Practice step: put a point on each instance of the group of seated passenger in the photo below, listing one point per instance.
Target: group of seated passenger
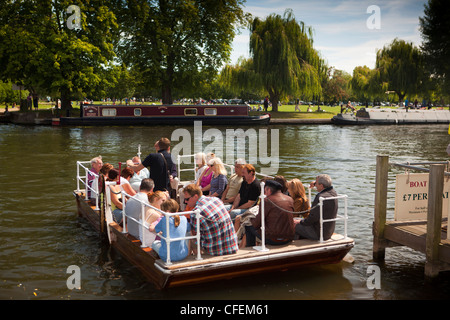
(222, 203)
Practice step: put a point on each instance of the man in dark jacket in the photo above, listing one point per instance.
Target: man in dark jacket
(309, 228)
(278, 219)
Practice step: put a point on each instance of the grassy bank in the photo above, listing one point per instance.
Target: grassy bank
(289, 112)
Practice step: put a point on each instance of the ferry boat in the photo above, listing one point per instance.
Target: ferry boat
(96, 115)
(203, 268)
(369, 116)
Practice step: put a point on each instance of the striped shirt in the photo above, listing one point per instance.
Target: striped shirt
(217, 233)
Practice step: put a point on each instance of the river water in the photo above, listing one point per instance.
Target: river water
(41, 235)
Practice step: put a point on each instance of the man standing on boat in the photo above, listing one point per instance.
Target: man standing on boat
(217, 235)
(162, 168)
(309, 228)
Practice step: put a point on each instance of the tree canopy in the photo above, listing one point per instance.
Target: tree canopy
(40, 51)
(177, 44)
(435, 29)
(284, 58)
(401, 69)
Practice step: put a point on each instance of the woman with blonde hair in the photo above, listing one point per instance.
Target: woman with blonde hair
(297, 192)
(204, 181)
(219, 177)
(152, 217)
(178, 226)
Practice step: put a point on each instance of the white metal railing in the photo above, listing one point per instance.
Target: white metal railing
(338, 217)
(143, 227)
(168, 239)
(230, 166)
(85, 181)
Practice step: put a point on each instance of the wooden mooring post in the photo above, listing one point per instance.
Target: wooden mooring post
(423, 236)
(434, 218)
(381, 182)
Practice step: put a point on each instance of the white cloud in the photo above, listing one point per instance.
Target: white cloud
(340, 31)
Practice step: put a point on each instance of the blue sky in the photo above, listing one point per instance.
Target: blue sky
(341, 32)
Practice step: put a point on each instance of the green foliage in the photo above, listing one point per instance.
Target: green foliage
(400, 67)
(284, 62)
(337, 86)
(435, 29)
(41, 52)
(178, 44)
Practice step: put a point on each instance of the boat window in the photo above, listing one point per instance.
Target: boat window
(110, 112)
(190, 112)
(137, 112)
(210, 112)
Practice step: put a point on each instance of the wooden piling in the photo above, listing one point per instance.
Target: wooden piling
(381, 182)
(434, 218)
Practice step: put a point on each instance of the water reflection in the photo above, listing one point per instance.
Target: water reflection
(41, 236)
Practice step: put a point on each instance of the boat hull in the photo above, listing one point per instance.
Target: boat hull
(392, 117)
(190, 271)
(145, 121)
(98, 115)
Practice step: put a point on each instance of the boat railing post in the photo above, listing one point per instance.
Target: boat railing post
(78, 176)
(309, 194)
(321, 218)
(124, 216)
(263, 226)
(86, 184)
(168, 262)
(345, 216)
(199, 255)
(142, 224)
(96, 179)
(179, 166)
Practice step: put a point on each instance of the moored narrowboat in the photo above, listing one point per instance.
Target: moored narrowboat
(95, 115)
(371, 116)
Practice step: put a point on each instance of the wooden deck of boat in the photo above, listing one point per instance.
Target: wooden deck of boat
(413, 234)
(246, 261)
(248, 252)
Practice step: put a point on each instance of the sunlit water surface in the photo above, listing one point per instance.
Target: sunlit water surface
(41, 235)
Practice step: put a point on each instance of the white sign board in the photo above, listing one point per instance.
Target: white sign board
(411, 197)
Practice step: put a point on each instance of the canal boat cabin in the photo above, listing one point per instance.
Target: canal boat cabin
(91, 114)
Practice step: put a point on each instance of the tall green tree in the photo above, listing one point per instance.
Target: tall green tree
(284, 57)
(435, 29)
(366, 84)
(337, 87)
(43, 49)
(178, 44)
(401, 68)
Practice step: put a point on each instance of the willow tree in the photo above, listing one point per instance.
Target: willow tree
(284, 58)
(401, 68)
(366, 83)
